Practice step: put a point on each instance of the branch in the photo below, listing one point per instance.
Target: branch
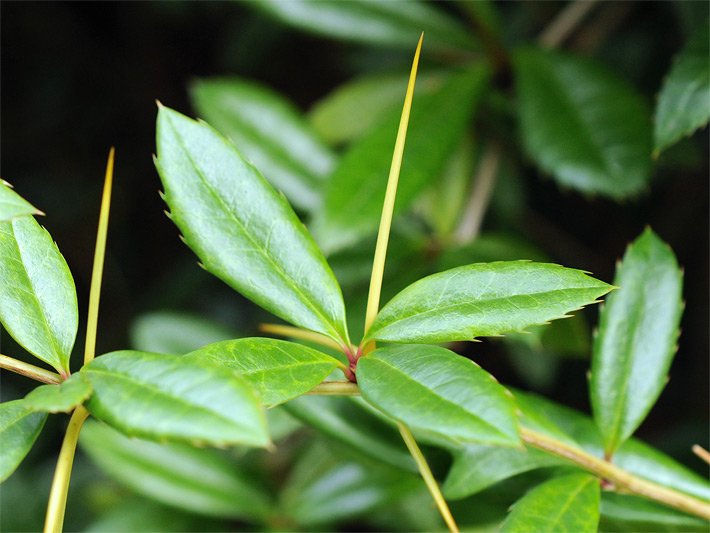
(564, 23)
(622, 480)
(31, 371)
(60, 484)
(470, 225)
(302, 334)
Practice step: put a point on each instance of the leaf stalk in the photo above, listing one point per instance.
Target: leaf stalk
(31, 371)
(336, 388)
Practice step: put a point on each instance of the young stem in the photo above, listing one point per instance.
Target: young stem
(429, 479)
(621, 480)
(336, 388)
(99, 255)
(31, 371)
(301, 334)
(383, 234)
(60, 484)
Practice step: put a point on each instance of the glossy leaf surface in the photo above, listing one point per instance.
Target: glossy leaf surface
(684, 100)
(484, 299)
(38, 304)
(164, 397)
(197, 480)
(356, 190)
(277, 370)
(61, 398)
(566, 504)
(242, 230)
(383, 23)
(478, 467)
(12, 205)
(637, 338)
(19, 428)
(348, 420)
(325, 487)
(437, 392)
(582, 124)
(572, 427)
(270, 132)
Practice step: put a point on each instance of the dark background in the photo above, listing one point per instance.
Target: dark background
(77, 78)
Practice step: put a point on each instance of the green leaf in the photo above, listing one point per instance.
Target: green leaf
(478, 467)
(197, 480)
(38, 304)
(355, 107)
(350, 421)
(572, 427)
(325, 487)
(242, 230)
(277, 370)
(623, 512)
(174, 333)
(563, 504)
(442, 203)
(12, 205)
(582, 124)
(637, 338)
(19, 429)
(684, 100)
(165, 397)
(61, 398)
(484, 299)
(439, 393)
(138, 515)
(378, 23)
(356, 191)
(270, 132)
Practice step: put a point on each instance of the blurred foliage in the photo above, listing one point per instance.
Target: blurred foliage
(79, 77)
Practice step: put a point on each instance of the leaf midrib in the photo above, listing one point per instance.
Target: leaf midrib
(276, 267)
(568, 503)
